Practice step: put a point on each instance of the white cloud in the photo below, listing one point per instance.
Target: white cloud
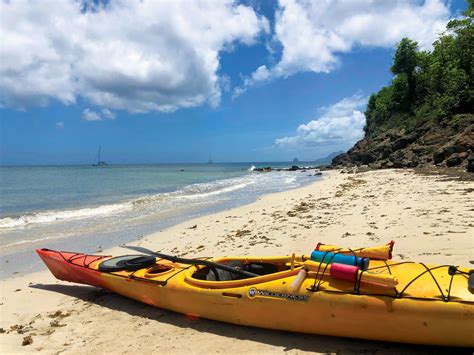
(108, 114)
(262, 74)
(60, 125)
(313, 33)
(339, 126)
(132, 55)
(104, 114)
(89, 115)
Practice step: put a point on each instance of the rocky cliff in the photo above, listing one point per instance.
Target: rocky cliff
(448, 145)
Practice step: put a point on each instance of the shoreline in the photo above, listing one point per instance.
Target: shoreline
(93, 229)
(427, 216)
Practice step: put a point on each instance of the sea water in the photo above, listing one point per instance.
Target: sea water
(86, 208)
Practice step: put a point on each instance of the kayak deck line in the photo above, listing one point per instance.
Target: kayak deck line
(165, 282)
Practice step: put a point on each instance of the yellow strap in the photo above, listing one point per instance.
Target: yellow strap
(383, 252)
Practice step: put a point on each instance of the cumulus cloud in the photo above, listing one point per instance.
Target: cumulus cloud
(313, 33)
(108, 114)
(340, 125)
(89, 115)
(125, 55)
(104, 114)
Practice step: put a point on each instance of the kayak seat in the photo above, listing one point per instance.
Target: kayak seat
(226, 275)
(256, 268)
(262, 268)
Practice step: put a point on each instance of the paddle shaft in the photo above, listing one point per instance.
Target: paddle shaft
(177, 259)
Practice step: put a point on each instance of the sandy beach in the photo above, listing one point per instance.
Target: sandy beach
(430, 218)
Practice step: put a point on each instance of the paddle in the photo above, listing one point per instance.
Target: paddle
(177, 259)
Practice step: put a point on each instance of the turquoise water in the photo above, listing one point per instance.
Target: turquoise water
(30, 189)
(84, 207)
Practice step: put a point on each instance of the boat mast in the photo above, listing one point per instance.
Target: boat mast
(98, 158)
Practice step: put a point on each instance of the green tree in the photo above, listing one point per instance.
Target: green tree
(405, 62)
(463, 31)
(428, 86)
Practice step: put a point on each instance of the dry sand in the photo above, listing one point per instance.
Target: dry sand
(429, 217)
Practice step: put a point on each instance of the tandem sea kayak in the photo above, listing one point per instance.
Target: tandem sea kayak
(376, 299)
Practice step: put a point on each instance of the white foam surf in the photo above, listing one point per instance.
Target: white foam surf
(194, 193)
(53, 216)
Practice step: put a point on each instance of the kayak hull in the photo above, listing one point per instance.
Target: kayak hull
(272, 304)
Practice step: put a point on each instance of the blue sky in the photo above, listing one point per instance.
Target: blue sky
(251, 81)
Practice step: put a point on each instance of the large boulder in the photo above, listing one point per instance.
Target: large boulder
(404, 141)
(433, 136)
(456, 159)
(470, 163)
(466, 138)
(342, 159)
(446, 151)
(364, 157)
(404, 159)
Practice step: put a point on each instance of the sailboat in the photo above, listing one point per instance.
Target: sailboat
(99, 161)
(210, 160)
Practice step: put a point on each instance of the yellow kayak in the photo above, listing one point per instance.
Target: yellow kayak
(399, 301)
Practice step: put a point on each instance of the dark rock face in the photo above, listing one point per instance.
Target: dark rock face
(470, 163)
(426, 145)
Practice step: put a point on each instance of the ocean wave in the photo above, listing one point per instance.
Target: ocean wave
(53, 216)
(194, 193)
(215, 192)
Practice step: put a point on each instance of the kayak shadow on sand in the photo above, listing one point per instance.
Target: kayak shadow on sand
(287, 341)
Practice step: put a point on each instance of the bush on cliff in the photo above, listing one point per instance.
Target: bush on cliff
(428, 87)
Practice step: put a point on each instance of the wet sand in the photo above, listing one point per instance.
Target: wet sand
(429, 217)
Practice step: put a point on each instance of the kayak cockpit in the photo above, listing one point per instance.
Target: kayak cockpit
(260, 269)
(266, 269)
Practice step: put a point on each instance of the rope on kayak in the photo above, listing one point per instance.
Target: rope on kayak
(77, 256)
(452, 270)
(132, 275)
(450, 284)
(319, 276)
(388, 267)
(315, 288)
(428, 270)
(357, 282)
